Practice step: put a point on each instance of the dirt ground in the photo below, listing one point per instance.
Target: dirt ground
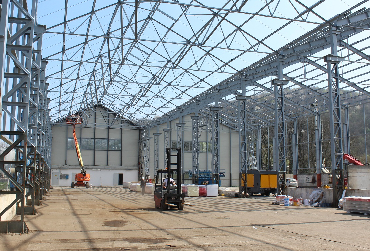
(117, 219)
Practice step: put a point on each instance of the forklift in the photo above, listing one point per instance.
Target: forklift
(168, 194)
(81, 179)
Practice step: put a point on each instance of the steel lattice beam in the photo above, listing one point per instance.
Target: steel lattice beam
(333, 61)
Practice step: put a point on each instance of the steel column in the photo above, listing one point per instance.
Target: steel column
(215, 143)
(295, 150)
(179, 131)
(144, 152)
(365, 132)
(195, 148)
(318, 140)
(259, 148)
(242, 128)
(346, 136)
(167, 141)
(156, 151)
(335, 118)
(279, 146)
(180, 142)
(3, 42)
(18, 179)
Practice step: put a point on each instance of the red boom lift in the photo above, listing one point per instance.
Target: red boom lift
(352, 159)
(82, 178)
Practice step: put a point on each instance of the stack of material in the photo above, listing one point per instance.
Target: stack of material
(280, 200)
(212, 190)
(184, 189)
(228, 191)
(203, 190)
(135, 187)
(126, 184)
(149, 188)
(193, 191)
(357, 204)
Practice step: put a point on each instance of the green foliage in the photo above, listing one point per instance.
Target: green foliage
(359, 142)
(3, 185)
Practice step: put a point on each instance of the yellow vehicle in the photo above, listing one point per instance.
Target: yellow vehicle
(261, 182)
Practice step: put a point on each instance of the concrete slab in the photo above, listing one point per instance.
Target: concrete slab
(117, 219)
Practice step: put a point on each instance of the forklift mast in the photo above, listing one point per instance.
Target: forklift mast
(177, 169)
(169, 196)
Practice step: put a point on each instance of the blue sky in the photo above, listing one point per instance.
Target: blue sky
(156, 76)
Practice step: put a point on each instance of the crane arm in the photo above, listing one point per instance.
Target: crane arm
(73, 120)
(78, 150)
(352, 159)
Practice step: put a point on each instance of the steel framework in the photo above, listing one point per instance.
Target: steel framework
(195, 148)
(153, 62)
(25, 122)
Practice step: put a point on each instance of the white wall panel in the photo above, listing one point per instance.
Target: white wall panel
(98, 177)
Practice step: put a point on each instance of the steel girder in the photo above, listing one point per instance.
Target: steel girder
(295, 52)
(105, 82)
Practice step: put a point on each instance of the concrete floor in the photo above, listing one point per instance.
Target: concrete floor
(117, 219)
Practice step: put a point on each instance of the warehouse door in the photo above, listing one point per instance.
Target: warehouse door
(115, 179)
(55, 178)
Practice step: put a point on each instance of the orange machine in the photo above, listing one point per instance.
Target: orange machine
(82, 178)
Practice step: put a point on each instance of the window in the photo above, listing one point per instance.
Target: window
(101, 144)
(173, 144)
(210, 147)
(202, 146)
(71, 144)
(87, 144)
(188, 146)
(115, 145)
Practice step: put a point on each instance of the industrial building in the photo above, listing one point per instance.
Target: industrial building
(109, 149)
(106, 87)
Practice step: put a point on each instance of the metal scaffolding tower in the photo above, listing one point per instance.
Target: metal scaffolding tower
(25, 122)
(243, 155)
(318, 142)
(195, 148)
(156, 151)
(333, 61)
(279, 146)
(215, 111)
